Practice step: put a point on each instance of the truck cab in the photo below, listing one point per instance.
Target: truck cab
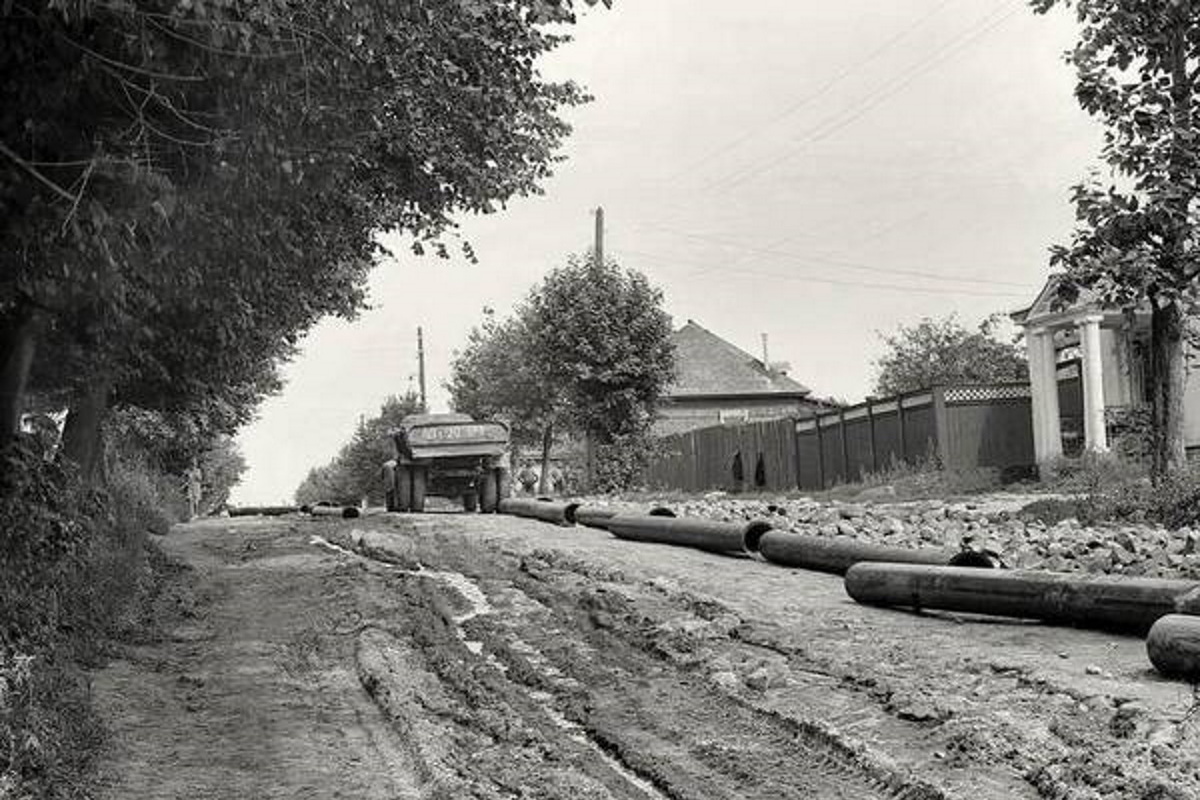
(448, 455)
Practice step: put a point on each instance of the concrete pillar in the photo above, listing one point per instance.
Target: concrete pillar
(1037, 387)
(1051, 419)
(1095, 435)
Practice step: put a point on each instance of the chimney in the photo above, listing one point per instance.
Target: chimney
(765, 359)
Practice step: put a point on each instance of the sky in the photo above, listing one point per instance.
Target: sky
(819, 172)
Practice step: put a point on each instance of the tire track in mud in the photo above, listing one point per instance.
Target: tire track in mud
(557, 677)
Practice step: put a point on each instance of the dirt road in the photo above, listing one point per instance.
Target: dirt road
(449, 656)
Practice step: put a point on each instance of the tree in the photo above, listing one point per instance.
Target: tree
(588, 352)
(355, 472)
(184, 190)
(935, 352)
(499, 376)
(1137, 64)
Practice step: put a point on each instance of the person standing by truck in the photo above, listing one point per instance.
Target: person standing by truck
(528, 478)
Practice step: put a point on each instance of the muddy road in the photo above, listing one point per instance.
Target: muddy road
(470, 656)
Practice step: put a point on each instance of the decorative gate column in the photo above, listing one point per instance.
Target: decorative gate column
(1095, 435)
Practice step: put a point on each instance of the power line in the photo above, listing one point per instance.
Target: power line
(840, 119)
(771, 251)
(807, 99)
(815, 279)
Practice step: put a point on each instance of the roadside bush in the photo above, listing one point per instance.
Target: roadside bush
(1174, 501)
(621, 465)
(1094, 473)
(72, 561)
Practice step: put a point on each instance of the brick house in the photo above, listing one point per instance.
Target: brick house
(718, 383)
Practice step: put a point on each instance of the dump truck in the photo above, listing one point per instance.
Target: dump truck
(448, 455)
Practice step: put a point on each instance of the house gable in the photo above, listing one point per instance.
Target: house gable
(707, 366)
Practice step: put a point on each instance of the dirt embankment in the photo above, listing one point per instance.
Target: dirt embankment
(488, 657)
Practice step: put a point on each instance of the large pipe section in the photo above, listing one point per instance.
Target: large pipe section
(827, 554)
(556, 513)
(344, 512)
(1173, 645)
(718, 537)
(264, 511)
(1107, 602)
(594, 516)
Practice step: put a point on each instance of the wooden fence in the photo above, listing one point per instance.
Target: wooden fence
(705, 459)
(960, 426)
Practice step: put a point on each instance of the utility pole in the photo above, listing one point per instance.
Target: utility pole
(421, 368)
(589, 447)
(600, 236)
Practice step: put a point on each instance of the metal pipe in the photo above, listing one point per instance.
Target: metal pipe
(264, 511)
(838, 555)
(345, 512)
(594, 516)
(556, 513)
(704, 534)
(1091, 601)
(1173, 645)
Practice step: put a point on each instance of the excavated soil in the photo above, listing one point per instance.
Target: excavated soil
(472, 656)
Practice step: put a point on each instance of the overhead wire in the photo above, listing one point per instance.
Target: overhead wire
(840, 119)
(907, 289)
(804, 101)
(855, 265)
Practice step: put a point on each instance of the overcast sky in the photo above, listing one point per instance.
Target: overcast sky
(819, 172)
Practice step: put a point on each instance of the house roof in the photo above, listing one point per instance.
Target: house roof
(1048, 306)
(707, 365)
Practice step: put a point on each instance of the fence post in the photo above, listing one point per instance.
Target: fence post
(795, 449)
(845, 450)
(820, 452)
(940, 426)
(871, 436)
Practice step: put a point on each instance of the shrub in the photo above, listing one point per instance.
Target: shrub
(1094, 473)
(621, 464)
(72, 561)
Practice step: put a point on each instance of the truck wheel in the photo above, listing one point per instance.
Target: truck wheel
(417, 502)
(403, 488)
(470, 501)
(503, 483)
(489, 491)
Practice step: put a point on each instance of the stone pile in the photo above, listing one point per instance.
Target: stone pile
(990, 524)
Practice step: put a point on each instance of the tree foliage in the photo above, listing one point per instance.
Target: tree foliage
(944, 352)
(1137, 63)
(355, 472)
(186, 188)
(588, 353)
(497, 376)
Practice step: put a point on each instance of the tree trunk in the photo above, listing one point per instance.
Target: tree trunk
(547, 440)
(18, 341)
(83, 433)
(1166, 380)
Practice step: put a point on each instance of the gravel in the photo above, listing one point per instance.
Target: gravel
(990, 523)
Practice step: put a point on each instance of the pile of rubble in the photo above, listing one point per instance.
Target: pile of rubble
(994, 524)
